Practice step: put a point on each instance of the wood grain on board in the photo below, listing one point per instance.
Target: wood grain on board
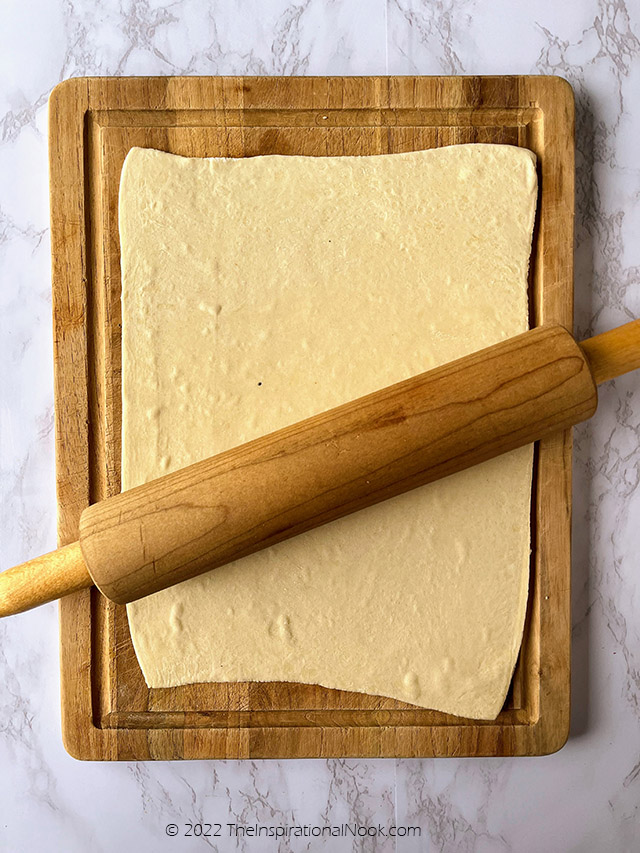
(107, 710)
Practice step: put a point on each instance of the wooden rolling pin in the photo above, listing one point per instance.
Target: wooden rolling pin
(332, 464)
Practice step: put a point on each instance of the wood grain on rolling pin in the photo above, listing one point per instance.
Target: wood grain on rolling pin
(332, 464)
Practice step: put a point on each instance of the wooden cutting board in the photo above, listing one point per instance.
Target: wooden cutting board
(107, 710)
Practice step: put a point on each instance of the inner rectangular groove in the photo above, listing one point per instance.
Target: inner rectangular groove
(292, 719)
(346, 715)
(385, 117)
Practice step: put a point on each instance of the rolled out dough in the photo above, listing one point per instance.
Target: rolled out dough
(259, 291)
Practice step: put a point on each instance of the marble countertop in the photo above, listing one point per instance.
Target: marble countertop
(585, 798)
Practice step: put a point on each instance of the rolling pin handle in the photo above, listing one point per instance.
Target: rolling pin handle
(43, 579)
(613, 353)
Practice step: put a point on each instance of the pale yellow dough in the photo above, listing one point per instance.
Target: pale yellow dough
(259, 291)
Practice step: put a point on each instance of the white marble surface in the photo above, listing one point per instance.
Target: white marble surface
(586, 798)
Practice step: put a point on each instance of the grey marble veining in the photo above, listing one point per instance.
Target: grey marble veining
(584, 799)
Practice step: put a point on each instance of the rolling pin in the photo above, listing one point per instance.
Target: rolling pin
(307, 474)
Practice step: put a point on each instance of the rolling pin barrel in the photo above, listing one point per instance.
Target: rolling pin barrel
(337, 462)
